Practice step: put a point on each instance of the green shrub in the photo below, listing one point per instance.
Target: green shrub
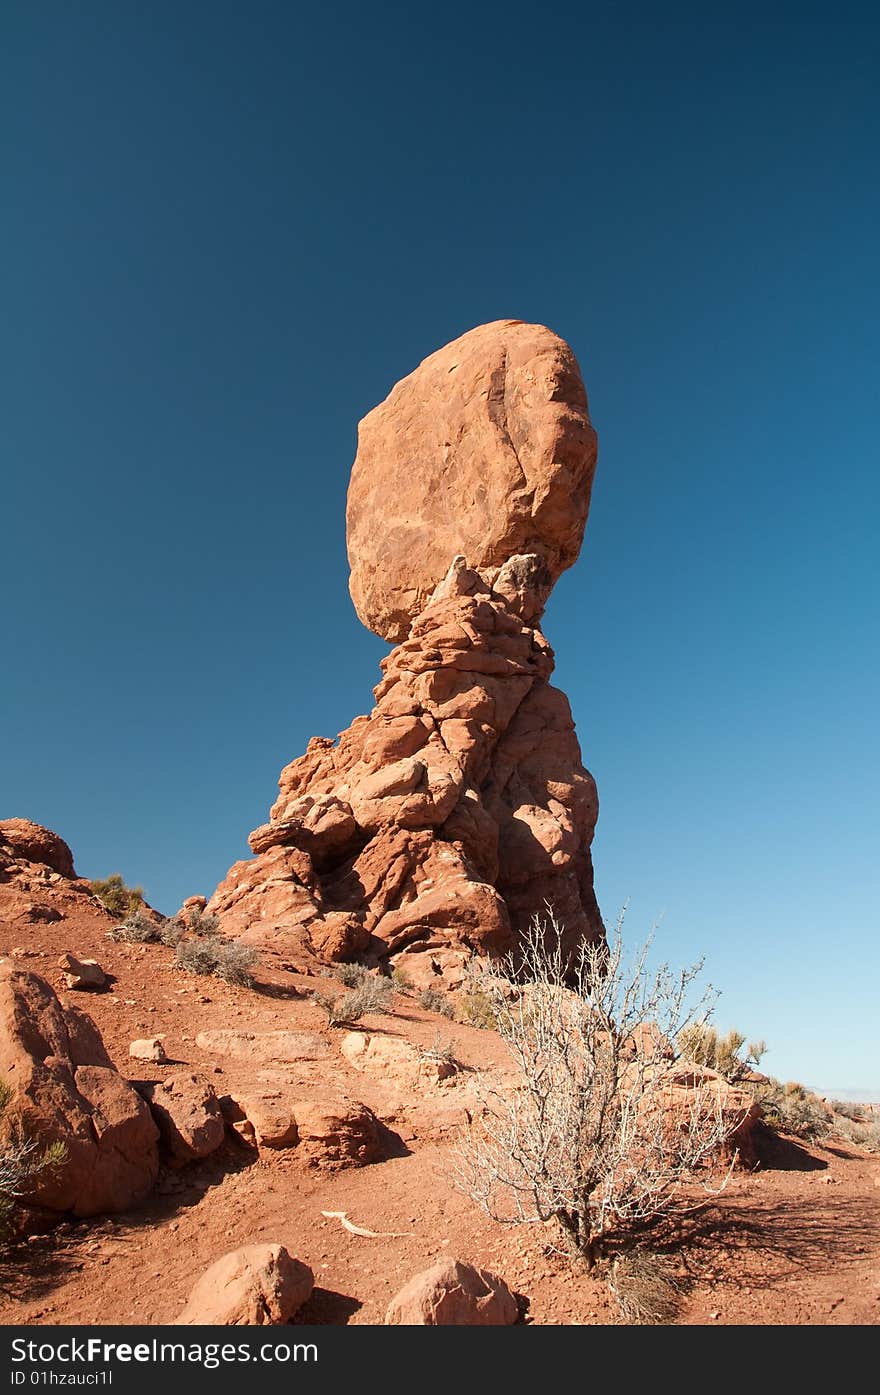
(116, 896)
(226, 959)
(402, 983)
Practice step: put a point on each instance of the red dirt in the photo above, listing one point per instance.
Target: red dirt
(793, 1243)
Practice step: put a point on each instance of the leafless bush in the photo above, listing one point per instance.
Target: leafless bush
(592, 1137)
(22, 1161)
(226, 959)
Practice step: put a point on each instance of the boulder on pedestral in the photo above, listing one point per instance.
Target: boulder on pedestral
(256, 1286)
(452, 1294)
(485, 450)
(458, 810)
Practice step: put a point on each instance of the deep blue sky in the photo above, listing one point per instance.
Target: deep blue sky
(228, 229)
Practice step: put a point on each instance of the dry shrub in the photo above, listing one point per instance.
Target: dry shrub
(435, 1000)
(226, 959)
(588, 1139)
(646, 1287)
(371, 995)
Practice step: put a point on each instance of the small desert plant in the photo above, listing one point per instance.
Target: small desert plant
(137, 928)
(864, 1134)
(116, 896)
(442, 1049)
(351, 975)
(701, 1043)
(793, 1109)
(474, 1008)
(435, 1000)
(226, 959)
(647, 1289)
(22, 1161)
(371, 995)
(402, 983)
(589, 1138)
(171, 932)
(198, 922)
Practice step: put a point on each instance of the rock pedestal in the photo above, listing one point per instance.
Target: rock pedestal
(458, 809)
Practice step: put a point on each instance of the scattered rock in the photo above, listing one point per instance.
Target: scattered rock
(193, 905)
(392, 1058)
(84, 974)
(148, 1049)
(256, 1286)
(262, 1118)
(452, 1294)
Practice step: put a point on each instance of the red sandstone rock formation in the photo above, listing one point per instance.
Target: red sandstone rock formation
(441, 823)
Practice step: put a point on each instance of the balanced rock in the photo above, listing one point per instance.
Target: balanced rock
(67, 1090)
(458, 809)
(256, 1286)
(486, 450)
(452, 1294)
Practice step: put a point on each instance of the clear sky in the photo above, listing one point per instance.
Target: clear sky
(228, 229)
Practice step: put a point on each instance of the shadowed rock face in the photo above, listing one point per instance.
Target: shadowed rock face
(441, 823)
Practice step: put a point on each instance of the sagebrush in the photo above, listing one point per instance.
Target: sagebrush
(588, 1139)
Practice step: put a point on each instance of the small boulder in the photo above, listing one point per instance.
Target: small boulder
(453, 1294)
(261, 1118)
(148, 1049)
(256, 1286)
(84, 974)
(335, 1132)
(189, 1116)
(34, 843)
